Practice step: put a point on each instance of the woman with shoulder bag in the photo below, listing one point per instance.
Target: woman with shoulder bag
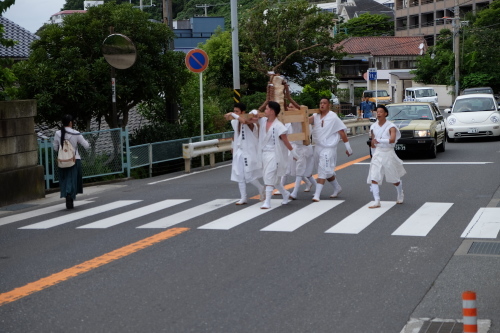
(70, 177)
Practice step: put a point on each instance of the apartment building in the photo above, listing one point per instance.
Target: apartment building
(427, 17)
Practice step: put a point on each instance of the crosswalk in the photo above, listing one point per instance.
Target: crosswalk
(484, 224)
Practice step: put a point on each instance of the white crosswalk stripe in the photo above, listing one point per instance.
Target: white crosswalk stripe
(188, 214)
(79, 215)
(423, 220)
(360, 219)
(295, 220)
(485, 224)
(241, 216)
(130, 215)
(39, 212)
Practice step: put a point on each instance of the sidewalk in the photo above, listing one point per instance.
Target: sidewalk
(464, 272)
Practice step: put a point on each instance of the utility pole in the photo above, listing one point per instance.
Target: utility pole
(456, 47)
(167, 18)
(235, 52)
(204, 6)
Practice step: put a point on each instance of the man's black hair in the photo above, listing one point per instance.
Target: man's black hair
(240, 106)
(275, 106)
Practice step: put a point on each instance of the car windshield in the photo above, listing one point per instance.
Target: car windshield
(409, 112)
(381, 93)
(424, 93)
(474, 104)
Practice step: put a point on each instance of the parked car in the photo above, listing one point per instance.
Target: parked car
(477, 90)
(378, 96)
(475, 115)
(421, 94)
(422, 127)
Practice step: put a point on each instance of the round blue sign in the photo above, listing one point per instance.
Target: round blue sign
(196, 60)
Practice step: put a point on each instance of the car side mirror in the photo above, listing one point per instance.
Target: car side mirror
(447, 110)
(439, 117)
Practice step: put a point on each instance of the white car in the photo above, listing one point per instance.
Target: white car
(475, 115)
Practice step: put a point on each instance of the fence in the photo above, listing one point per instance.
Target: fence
(109, 154)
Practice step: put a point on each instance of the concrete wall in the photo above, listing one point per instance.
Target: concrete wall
(21, 178)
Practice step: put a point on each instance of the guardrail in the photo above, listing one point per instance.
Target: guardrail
(210, 147)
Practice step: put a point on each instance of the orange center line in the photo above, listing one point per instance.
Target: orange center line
(340, 167)
(87, 266)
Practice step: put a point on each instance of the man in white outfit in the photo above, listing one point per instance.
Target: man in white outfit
(328, 129)
(246, 167)
(274, 147)
(384, 161)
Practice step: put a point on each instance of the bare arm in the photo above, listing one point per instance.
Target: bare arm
(392, 132)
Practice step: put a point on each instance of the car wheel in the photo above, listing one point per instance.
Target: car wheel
(433, 151)
(442, 147)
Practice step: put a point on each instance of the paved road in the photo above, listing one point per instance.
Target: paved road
(174, 254)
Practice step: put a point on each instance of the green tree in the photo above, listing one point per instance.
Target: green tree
(478, 54)
(7, 77)
(368, 25)
(291, 38)
(67, 73)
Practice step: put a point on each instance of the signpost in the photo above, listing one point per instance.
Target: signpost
(197, 61)
(372, 76)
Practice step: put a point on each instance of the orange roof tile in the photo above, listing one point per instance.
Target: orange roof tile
(383, 45)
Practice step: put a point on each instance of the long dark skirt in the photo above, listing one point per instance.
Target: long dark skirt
(70, 180)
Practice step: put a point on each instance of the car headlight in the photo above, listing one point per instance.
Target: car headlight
(422, 134)
(494, 119)
(452, 121)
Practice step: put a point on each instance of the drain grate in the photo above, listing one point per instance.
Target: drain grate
(441, 327)
(491, 248)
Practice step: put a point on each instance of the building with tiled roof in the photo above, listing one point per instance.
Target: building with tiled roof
(23, 37)
(58, 17)
(392, 57)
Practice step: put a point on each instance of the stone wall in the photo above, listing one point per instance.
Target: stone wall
(21, 178)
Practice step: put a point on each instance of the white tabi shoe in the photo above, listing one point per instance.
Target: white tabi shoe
(276, 192)
(265, 206)
(376, 204)
(286, 198)
(401, 197)
(308, 187)
(242, 201)
(336, 192)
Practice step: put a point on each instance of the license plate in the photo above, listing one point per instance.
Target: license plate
(473, 130)
(400, 147)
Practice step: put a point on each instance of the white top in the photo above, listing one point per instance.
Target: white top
(326, 129)
(382, 132)
(74, 137)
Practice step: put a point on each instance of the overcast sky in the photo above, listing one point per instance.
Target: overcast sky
(32, 14)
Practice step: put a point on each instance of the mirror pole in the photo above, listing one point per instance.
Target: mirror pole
(114, 121)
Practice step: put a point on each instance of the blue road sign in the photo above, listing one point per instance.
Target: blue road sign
(196, 60)
(372, 75)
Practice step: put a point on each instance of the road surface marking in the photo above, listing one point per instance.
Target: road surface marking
(294, 221)
(87, 266)
(79, 215)
(133, 214)
(188, 214)
(485, 224)
(38, 212)
(188, 174)
(439, 163)
(423, 220)
(360, 219)
(232, 220)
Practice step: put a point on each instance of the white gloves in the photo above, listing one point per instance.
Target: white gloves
(294, 154)
(254, 112)
(235, 116)
(348, 147)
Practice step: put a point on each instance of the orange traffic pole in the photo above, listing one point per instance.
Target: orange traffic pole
(469, 311)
